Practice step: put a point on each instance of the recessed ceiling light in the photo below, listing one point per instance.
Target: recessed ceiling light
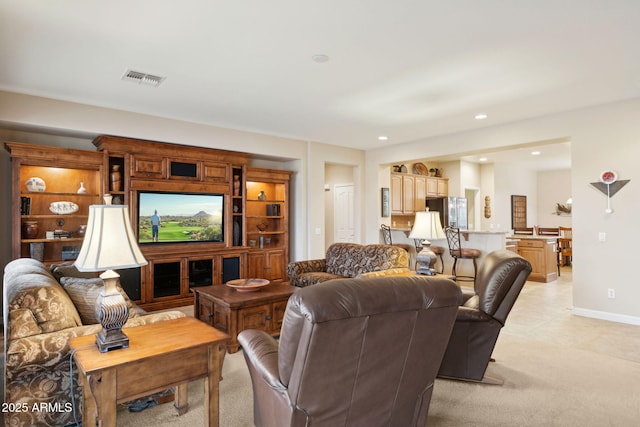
(481, 116)
(482, 159)
(320, 58)
(383, 138)
(535, 153)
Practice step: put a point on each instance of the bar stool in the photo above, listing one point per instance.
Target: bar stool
(458, 252)
(386, 234)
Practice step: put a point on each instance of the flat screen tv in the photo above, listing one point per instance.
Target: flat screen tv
(180, 217)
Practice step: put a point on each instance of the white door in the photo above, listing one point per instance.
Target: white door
(343, 214)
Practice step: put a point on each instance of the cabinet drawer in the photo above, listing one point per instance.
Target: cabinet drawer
(148, 167)
(531, 244)
(218, 172)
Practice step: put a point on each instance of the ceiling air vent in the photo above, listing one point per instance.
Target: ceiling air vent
(142, 78)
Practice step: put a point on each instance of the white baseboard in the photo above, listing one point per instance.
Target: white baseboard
(603, 315)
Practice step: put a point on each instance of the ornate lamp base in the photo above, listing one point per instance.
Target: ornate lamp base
(111, 340)
(112, 313)
(425, 262)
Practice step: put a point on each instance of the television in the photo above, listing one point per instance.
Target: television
(165, 217)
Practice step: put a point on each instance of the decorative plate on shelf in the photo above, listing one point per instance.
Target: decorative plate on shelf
(608, 177)
(247, 285)
(35, 184)
(420, 169)
(63, 208)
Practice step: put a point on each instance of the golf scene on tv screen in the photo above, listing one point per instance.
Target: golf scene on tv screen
(180, 217)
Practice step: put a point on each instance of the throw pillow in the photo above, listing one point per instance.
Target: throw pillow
(22, 324)
(67, 269)
(84, 293)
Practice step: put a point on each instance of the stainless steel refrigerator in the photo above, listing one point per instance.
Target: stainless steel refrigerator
(453, 211)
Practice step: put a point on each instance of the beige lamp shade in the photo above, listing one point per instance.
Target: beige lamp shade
(110, 244)
(427, 226)
(109, 241)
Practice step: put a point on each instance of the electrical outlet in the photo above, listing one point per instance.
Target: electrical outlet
(611, 293)
(602, 236)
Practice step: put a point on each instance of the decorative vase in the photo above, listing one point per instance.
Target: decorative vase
(115, 178)
(82, 189)
(30, 229)
(82, 230)
(236, 185)
(262, 195)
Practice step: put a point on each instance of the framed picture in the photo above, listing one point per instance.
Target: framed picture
(518, 212)
(384, 197)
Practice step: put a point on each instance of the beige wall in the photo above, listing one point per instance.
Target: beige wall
(553, 187)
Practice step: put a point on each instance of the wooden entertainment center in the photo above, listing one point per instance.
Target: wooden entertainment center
(255, 214)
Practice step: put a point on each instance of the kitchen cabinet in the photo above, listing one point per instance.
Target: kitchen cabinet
(409, 192)
(541, 253)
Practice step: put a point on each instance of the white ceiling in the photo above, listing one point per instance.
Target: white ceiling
(408, 69)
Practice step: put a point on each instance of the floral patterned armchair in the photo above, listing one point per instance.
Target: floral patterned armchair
(350, 260)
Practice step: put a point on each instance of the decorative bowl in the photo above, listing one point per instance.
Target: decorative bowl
(63, 208)
(247, 285)
(35, 184)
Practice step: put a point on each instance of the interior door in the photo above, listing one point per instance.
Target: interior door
(343, 214)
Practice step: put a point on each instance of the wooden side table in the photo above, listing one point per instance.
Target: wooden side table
(160, 355)
(232, 312)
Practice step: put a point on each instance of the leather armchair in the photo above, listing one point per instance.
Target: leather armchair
(353, 352)
(482, 315)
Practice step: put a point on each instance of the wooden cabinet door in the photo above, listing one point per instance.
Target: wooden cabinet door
(256, 265)
(396, 194)
(443, 187)
(275, 265)
(420, 194)
(533, 251)
(432, 187)
(278, 310)
(222, 319)
(408, 195)
(255, 318)
(268, 265)
(205, 310)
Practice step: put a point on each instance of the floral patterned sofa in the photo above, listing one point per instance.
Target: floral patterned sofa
(40, 316)
(350, 260)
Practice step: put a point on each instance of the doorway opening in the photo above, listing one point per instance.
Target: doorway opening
(341, 219)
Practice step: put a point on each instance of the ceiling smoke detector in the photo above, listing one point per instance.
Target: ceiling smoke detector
(143, 78)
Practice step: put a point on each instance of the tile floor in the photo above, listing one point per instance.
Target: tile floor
(543, 312)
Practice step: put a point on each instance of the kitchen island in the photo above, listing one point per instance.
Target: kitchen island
(485, 241)
(540, 251)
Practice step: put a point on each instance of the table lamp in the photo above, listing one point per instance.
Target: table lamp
(427, 226)
(109, 244)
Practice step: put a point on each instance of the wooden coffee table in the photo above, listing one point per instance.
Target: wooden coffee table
(160, 355)
(232, 312)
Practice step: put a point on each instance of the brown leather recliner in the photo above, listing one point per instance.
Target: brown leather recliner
(480, 318)
(353, 352)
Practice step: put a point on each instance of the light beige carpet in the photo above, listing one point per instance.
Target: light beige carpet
(236, 402)
(545, 385)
